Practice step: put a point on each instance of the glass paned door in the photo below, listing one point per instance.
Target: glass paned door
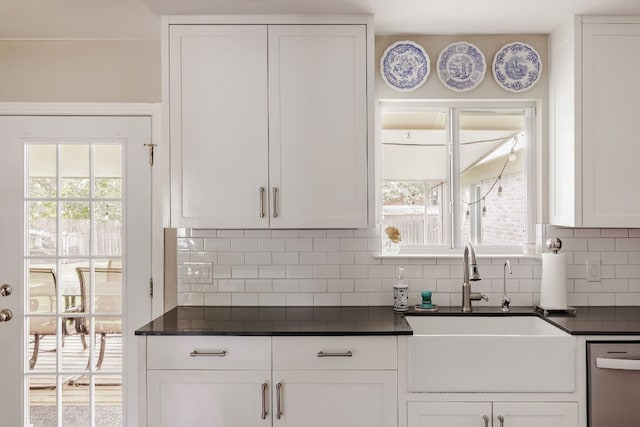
(76, 222)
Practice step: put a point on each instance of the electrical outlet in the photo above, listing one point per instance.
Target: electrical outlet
(593, 270)
(197, 272)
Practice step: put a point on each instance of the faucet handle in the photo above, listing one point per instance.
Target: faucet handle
(476, 296)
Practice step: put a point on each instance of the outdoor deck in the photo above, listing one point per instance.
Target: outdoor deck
(76, 385)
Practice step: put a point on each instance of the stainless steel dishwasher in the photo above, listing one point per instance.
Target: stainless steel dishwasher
(614, 383)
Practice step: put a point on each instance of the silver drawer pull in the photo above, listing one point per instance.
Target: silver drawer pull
(279, 406)
(275, 202)
(325, 354)
(196, 353)
(486, 420)
(501, 419)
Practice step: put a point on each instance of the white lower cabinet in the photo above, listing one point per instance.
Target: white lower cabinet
(221, 381)
(492, 414)
(335, 398)
(208, 398)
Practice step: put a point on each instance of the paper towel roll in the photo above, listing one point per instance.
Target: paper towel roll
(553, 285)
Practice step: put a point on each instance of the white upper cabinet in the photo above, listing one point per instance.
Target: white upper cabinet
(594, 143)
(219, 123)
(269, 124)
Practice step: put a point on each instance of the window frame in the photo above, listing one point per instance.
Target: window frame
(453, 243)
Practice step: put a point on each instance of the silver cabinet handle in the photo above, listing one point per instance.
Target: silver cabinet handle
(345, 354)
(265, 386)
(5, 290)
(501, 419)
(275, 202)
(261, 202)
(486, 420)
(196, 353)
(279, 411)
(5, 315)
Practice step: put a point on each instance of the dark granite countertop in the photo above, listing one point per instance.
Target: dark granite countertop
(284, 321)
(309, 321)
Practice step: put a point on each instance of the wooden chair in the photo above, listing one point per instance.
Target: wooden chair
(107, 297)
(42, 300)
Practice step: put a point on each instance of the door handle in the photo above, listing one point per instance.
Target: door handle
(501, 419)
(486, 420)
(5, 290)
(5, 315)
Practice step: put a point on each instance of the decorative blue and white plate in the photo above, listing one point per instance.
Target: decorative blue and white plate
(517, 67)
(461, 66)
(405, 66)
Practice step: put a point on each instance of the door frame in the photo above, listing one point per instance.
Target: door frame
(159, 198)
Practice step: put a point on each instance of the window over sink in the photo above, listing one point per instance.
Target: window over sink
(454, 172)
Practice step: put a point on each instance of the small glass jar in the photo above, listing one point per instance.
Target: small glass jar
(390, 248)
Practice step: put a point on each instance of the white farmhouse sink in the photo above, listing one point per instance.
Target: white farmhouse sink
(489, 354)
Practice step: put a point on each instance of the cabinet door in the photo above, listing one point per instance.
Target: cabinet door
(449, 414)
(318, 126)
(610, 147)
(335, 398)
(208, 398)
(218, 125)
(535, 414)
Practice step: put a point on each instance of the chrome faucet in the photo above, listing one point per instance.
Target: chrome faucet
(505, 299)
(470, 265)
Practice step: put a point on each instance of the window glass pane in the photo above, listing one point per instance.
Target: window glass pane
(41, 171)
(108, 171)
(108, 228)
(74, 171)
(74, 228)
(415, 175)
(42, 227)
(492, 178)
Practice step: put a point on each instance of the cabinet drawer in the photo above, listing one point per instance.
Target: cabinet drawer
(335, 353)
(208, 352)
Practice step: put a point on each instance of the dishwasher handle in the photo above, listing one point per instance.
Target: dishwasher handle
(623, 364)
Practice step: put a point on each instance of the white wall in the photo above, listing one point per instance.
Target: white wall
(80, 70)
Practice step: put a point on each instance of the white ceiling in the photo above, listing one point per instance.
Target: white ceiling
(139, 18)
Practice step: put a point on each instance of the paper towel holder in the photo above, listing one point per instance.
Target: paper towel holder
(554, 244)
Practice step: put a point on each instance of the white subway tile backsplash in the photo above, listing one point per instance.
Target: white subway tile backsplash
(298, 271)
(344, 267)
(298, 244)
(354, 271)
(217, 244)
(630, 244)
(326, 244)
(270, 244)
(286, 285)
(217, 298)
(231, 258)
(257, 258)
(244, 244)
(313, 285)
(286, 258)
(326, 299)
(340, 285)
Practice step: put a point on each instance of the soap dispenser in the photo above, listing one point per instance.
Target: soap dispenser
(401, 293)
